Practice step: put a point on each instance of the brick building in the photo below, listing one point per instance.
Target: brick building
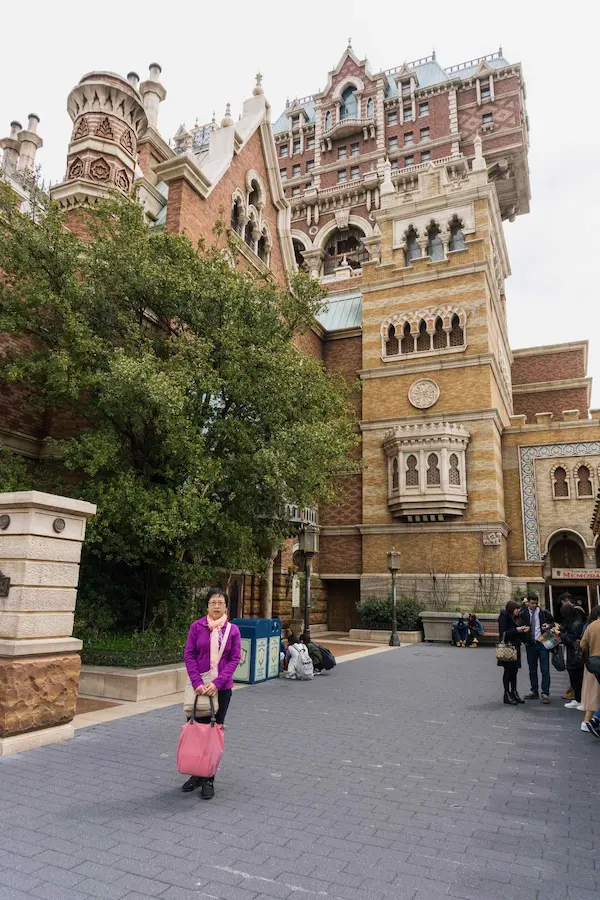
(479, 463)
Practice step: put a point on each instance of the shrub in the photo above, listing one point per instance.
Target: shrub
(376, 613)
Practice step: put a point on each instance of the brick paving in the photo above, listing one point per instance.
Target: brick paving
(399, 775)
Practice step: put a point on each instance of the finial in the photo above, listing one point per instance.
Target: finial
(258, 86)
(213, 121)
(433, 55)
(500, 50)
(349, 47)
(226, 121)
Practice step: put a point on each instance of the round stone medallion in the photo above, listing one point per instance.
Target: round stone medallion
(424, 393)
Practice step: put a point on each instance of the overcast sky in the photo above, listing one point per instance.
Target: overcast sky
(210, 53)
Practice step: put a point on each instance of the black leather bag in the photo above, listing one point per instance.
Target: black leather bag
(593, 666)
(558, 658)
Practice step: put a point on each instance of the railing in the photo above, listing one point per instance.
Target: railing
(301, 515)
(355, 259)
(355, 121)
(474, 62)
(411, 65)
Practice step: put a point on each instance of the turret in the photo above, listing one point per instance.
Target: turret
(12, 148)
(153, 93)
(30, 143)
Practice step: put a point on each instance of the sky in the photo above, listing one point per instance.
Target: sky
(210, 54)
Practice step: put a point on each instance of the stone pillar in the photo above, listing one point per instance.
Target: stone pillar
(30, 143)
(267, 600)
(12, 148)
(40, 547)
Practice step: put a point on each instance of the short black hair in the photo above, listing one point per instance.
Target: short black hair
(216, 592)
(531, 595)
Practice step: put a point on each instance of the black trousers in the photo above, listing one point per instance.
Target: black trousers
(509, 679)
(576, 679)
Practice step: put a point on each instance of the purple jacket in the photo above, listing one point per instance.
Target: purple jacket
(197, 654)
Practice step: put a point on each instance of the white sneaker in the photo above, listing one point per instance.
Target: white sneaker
(573, 704)
(581, 707)
(584, 727)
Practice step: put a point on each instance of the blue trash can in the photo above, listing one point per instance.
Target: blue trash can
(261, 639)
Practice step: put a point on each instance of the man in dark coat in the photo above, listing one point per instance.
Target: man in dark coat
(539, 621)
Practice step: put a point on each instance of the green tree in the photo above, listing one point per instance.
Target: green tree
(195, 416)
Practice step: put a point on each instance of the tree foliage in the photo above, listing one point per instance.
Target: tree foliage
(181, 405)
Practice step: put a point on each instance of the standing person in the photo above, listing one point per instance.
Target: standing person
(511, 632)
(571, 630)
(539, 621)
(590, 644)
(565, 598)
(208, 673)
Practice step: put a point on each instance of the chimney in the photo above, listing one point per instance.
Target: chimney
(134, 80)
(30, 144)
(12, 148)
(153, 93)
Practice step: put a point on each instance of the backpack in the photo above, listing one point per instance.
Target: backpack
(304, 666)
(328, 658)
(314, 651)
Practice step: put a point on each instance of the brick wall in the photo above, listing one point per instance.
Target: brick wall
(16, 413)
(549, 367)
(550, 401)
(340, 553)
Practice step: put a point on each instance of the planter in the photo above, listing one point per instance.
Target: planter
(383, 637)
(118, 683)
(438, 625)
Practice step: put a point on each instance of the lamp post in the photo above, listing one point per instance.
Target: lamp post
(309, 545)
(393, 564)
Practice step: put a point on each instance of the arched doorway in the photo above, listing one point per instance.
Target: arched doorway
(567, 560)
(345, 246)
(298, 251)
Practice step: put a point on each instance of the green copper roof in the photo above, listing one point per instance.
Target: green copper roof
(343, 311)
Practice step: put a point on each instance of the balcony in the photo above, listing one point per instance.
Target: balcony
(301, 515)
(347, 126)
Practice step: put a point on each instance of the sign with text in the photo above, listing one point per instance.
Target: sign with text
(576, 574)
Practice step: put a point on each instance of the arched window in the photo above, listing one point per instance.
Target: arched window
(440, 338)
(560, 483)
(454, 470)
(457, 335)
(412, 472)
(413, 251)
(566, 554)
(584, 482)
(598, 555)
(300, 261)
(254, 195)
(433, 469)
(407, 345)
(391, 345)
(395, 474)
(327, 121)
(457, 237)
(263, 249)
(236, 213)
(346, 244)
(435, 246)
(370, 108)
(349, 107)
(248, 233)
(423, 339)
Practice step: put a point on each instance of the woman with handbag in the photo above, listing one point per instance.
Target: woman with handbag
(571, 630)
(508, 651)
(212, 654)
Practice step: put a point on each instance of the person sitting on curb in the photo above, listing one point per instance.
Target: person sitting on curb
(460, 632)
(475, 630)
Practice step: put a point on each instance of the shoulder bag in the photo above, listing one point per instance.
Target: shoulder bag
(201, 705)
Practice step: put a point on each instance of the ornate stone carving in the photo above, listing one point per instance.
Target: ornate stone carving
(82, 130)
(104, 130)
(4, 585)
(4, 522)
(492, 538)
(77, 168)
(424, 393)
(122, 181)
(127, 141)
(59, 525)
(100, 170)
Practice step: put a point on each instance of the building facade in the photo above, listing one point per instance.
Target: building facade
(480, 464)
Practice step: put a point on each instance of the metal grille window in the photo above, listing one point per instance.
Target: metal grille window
(433, 470)
(454, 471)
(412, 472)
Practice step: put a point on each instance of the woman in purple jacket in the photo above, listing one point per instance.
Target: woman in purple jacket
(209, 674)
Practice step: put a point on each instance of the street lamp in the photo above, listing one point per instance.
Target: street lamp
(308, 543)
(393, 564)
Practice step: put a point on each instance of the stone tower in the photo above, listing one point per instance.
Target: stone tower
(108, 118)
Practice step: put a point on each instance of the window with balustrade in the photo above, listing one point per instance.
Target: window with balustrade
(349, 104)
(428, 331)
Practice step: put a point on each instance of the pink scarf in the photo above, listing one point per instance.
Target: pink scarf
(215, 626)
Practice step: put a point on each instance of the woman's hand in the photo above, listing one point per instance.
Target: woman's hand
(523, 628)
(200, 690)
(210, 689)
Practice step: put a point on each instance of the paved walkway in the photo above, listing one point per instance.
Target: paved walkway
(400, 775)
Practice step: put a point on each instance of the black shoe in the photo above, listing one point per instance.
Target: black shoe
(191, 784)
(208, 789)
(508, 699)
(516, 697)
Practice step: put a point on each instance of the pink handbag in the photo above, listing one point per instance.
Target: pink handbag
(200, 747)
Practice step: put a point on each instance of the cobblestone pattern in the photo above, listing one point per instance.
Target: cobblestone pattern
(397, 776)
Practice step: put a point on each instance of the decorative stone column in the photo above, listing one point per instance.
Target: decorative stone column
(40, 547)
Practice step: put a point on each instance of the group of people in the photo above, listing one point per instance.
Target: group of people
(467, 634)
(301, 660)
(575, 640)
